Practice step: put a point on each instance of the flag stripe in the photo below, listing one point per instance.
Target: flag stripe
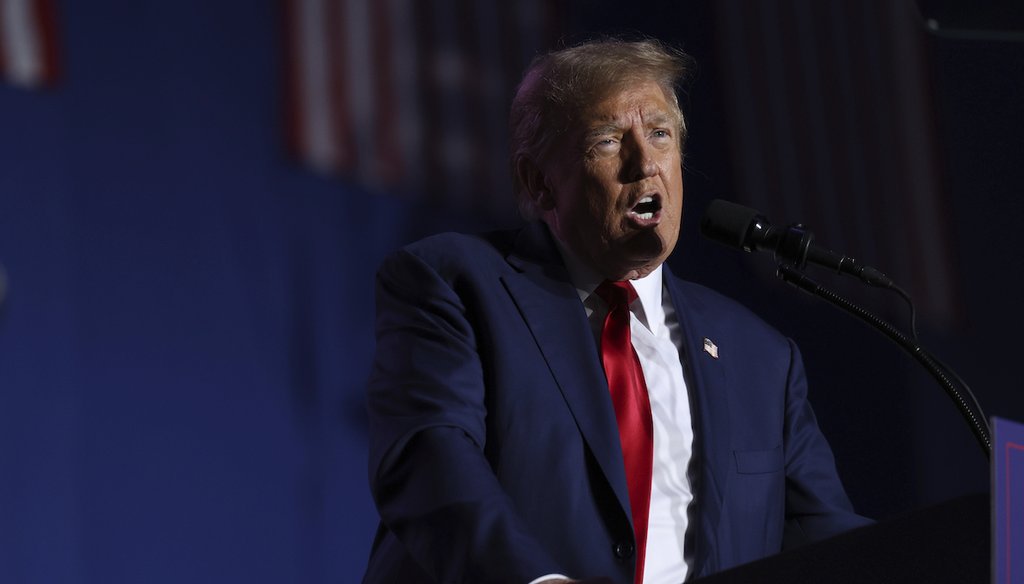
(388, 157)
(406, 94)
(4, 23)
(406, 80)
(316, 143)
(28, 55)
(365, 97)
(46, 17)
(22, 48)
(293, 79)
(340, 90)
(428, 94)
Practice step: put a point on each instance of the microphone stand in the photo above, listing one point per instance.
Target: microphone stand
(975, 419)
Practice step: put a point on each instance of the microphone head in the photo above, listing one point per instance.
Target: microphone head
(730, 224)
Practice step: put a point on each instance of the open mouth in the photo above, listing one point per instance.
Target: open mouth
(647, 208)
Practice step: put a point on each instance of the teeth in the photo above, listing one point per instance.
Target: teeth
(645, 215)
(647, 199)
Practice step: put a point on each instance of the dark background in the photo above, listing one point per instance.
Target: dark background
(188, 326)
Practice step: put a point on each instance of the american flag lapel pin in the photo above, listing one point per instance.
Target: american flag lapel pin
(710, 348)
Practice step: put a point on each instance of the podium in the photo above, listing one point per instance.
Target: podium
(946, 543)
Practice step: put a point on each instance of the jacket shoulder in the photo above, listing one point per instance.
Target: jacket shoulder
(696, 301)
(453, 256)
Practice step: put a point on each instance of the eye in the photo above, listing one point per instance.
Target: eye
(605, 146)
(662, 138)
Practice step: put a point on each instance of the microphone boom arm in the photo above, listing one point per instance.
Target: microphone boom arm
(975, 419)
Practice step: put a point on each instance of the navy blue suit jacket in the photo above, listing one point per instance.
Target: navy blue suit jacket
(494, 453)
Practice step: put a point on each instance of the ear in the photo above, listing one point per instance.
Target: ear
(535, 182)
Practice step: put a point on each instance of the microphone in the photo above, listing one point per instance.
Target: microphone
(747, 229)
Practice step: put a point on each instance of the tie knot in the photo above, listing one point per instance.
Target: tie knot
(616, 293)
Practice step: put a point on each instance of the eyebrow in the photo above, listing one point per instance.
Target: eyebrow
(602, 130)
(658, 119)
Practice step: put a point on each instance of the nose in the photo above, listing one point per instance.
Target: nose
(640, 162)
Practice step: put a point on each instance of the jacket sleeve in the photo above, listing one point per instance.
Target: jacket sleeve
(816, 502)
(431, 481)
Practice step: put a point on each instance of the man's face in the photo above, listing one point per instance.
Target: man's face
(615, 183)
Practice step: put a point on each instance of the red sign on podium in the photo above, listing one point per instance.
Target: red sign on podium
(1008, 502)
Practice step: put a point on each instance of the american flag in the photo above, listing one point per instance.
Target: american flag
(28, 42)
(410, 94)
(833, 126)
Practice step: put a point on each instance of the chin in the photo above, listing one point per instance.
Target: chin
(648, 247)
(644, 271)
(632, 268)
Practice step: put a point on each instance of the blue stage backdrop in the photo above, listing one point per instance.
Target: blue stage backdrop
(187, 324)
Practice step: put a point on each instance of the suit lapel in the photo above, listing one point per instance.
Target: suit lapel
(552, 310)
(707, 386)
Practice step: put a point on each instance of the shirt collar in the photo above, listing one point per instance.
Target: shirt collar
(649, 307)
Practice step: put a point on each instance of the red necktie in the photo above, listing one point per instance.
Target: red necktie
(632, 407)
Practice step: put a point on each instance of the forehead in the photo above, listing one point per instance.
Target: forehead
(645, 99)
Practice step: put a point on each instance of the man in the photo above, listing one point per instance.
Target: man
(513, 439)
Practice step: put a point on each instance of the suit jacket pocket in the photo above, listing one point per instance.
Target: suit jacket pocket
(759, 461)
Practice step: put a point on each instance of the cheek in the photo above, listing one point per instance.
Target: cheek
(600, 202)
(675, 184)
